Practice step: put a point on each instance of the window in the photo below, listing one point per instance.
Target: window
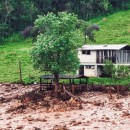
(87, 52)
(90, 67)
(83, 52)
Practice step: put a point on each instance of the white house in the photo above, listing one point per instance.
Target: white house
(92, 57)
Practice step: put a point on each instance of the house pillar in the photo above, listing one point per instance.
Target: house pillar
(96, 71)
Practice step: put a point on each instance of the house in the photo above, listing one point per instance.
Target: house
(92, 57)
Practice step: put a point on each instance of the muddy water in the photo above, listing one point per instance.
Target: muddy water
(99, 113)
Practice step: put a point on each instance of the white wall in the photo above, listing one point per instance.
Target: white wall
(84, 58)
(90, 72)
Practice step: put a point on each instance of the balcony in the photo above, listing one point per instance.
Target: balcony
(101, 59)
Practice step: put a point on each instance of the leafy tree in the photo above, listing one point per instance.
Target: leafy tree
(57, 43)
(116, 72)
(88, 32)
(109, 68)
(121, 71)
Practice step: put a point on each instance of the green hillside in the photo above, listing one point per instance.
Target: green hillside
(114, 29)
(14, 50)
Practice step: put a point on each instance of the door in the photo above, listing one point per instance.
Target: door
(81, 70)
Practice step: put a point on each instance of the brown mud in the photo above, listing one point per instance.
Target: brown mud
(26, 108)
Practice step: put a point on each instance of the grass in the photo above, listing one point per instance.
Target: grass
(114, 29)
(14, 50)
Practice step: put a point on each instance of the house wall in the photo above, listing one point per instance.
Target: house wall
(90, 72)
(84, 58)
(88, 61)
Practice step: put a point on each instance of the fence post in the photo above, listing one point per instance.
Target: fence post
(20, 72)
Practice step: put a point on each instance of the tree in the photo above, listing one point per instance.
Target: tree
(56, 47)
(116, 72)
(109, 68)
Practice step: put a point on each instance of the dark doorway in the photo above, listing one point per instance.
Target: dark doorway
(81, 70)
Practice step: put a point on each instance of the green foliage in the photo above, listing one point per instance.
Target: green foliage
(116, 72)
(109, 68)
(15, 15)
(121, 71)
(114, 29)
(55, 49)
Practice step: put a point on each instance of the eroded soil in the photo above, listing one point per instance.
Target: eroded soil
(25, 108)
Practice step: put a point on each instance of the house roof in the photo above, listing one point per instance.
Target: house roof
(103, 47)
(63, 76)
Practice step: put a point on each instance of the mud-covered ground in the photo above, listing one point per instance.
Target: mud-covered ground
(25, 108)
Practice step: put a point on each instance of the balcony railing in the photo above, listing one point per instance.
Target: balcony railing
(101, 59)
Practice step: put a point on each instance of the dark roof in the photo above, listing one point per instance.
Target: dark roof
(63, 76)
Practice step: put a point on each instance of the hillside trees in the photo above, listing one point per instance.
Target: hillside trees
(17, 15)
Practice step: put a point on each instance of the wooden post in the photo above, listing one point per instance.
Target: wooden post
(80, 81)
(110, 89)
(20, 72)
(86, 88)
(118, 91)
(92, 85)
(40, 83)
(73, 81)
(73, 88)
(69, 81)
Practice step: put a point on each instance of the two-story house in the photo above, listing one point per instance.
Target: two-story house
(92, 57)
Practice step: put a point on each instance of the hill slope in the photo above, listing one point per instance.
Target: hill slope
(114, 28)
(16, 49)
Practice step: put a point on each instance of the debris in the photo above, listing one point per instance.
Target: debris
(125, 113)
(20, 127)
(16, 107)
(30, 118)
(59, 127)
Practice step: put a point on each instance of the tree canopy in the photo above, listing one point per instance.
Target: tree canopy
(15, 15)
(55, 48)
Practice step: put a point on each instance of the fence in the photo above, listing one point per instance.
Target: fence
(19, 71)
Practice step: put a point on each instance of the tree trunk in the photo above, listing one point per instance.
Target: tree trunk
(56, 84)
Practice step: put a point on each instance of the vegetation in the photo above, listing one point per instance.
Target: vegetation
(57, 44)
(113, 29)
(109, 68)
(116, 72)
(17, 15)
(14, 50)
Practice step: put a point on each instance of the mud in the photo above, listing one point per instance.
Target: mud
(25, 108)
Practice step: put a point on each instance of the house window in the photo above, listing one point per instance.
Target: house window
(87, 52)
(90, 67)
(83, 52)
